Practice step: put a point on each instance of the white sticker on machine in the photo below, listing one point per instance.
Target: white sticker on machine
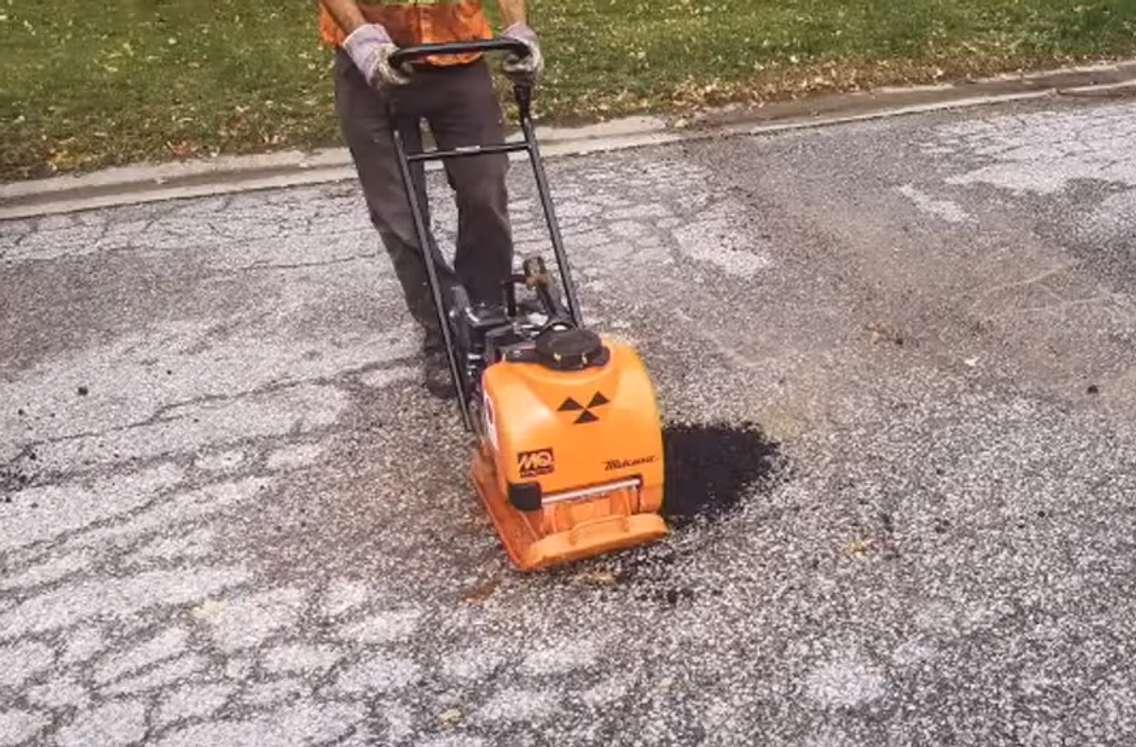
(490, 423)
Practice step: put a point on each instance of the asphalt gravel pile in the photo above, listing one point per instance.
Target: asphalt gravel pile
(710, 467)
(17, 473)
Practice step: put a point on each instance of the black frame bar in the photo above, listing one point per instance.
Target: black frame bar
(528, 144)
(470, 150)
(426, 246)
(411, 54)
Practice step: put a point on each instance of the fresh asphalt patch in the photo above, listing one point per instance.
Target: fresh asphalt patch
(711, 468)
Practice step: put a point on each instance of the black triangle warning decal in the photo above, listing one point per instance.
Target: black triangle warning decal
(598, 400)
(571, 405)
(586, 417)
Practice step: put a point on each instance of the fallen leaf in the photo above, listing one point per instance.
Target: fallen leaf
(597, 578)
(481, 592)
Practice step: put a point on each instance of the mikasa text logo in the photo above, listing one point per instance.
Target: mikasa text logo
(534, 463)
(613, 464)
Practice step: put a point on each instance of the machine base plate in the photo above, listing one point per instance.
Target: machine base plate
(530, 551)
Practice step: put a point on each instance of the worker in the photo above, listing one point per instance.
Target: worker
(456, 97)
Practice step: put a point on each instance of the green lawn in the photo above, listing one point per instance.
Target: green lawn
(88, 84)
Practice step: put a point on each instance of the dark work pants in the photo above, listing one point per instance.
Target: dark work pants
(461, 108)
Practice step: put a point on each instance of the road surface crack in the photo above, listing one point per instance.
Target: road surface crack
(304, 265)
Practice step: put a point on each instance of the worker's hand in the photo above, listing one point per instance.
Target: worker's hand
(370, 48)
(524, 70)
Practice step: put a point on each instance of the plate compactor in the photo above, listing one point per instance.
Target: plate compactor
(568, 457)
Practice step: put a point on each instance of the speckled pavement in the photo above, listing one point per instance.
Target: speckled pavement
(230, 514)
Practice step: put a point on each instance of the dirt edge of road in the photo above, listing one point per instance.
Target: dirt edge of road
(224, 175)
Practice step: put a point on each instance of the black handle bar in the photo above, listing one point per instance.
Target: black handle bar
(409, 54)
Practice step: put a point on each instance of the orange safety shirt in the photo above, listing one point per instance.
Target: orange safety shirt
(412, 22)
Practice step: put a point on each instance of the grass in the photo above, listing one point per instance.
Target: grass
(90, 84)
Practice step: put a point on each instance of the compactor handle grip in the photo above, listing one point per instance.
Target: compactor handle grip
(410, 54)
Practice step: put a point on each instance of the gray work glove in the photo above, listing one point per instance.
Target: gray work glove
(370, 48)
(524, 70)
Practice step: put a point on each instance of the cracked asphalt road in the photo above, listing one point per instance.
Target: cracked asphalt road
(231, 516)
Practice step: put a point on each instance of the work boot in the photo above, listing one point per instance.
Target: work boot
(436, 366)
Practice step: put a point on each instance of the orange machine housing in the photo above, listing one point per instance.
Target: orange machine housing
(580, 451)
